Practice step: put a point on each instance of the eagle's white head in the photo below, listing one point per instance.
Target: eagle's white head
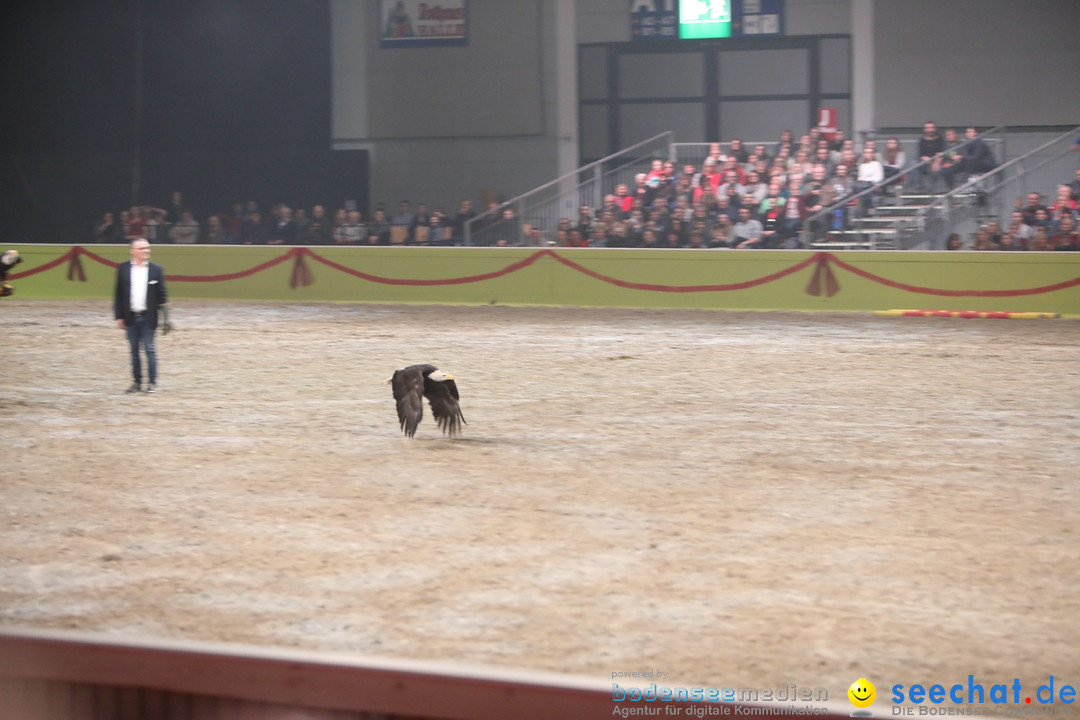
(440, 376)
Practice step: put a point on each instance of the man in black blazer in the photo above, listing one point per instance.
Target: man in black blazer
(140, 293)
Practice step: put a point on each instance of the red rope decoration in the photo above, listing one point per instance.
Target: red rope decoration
(1065, 284)
(822, 275)
(300, 273)
(822, 281)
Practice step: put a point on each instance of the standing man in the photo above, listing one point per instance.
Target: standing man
(140, 291)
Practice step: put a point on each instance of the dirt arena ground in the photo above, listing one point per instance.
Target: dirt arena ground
(734, 499)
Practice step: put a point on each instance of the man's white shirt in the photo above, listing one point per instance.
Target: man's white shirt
(140, 279)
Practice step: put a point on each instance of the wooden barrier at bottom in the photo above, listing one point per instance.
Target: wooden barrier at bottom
(62, 675)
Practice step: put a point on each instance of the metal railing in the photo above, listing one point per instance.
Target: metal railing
(991, 195)
(696, 152)
(512, 222)
(819, 221)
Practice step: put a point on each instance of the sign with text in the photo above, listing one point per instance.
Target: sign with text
(704, 19)
(412, 23)
(758, 17)
(653, 20)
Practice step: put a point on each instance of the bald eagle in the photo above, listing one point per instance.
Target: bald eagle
(7, 261)
(416, 382)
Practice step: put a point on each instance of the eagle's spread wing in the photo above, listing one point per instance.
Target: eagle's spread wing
(408, 385)
(443, 396)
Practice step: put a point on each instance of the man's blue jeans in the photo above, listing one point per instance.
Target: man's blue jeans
(140, 333)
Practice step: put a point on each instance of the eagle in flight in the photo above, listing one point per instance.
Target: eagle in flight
(416, 382)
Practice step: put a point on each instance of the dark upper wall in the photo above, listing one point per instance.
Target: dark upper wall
(989, 62)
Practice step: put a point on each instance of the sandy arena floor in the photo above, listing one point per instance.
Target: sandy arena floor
(736, 499)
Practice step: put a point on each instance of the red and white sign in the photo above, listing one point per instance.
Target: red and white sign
(827, 118)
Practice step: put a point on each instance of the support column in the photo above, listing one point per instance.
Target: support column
(566, 86)
(862, 67)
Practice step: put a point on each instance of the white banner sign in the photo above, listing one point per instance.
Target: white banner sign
(412, 23)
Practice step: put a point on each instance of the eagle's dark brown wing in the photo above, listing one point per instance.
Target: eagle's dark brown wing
(408, 385)
(443, 397)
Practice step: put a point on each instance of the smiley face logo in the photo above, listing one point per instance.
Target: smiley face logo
(862, 693)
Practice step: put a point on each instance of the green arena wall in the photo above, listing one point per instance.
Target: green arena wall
(736, 280)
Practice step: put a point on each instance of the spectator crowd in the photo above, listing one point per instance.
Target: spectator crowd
(736, 197)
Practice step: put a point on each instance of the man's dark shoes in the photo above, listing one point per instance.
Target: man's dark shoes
(134, 388)
(151, 388)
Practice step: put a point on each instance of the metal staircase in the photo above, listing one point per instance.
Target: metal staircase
(892, 216)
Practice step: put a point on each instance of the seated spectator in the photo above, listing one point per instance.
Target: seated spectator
(949, 163)
(509, 230)
(585, 221)
(709, 181)
(577, 239)
(672, 240)
(613, 205)
(870, 173)
(1042, 220)
(893, 160)
(352, 231)
(823, 156)
(643, 191)
(1066, 238)
(792, 216)
(1039, 241)
(625, 198)
(1008, 242)
(621, 237)
(186, 231)
(420, 226)
(283, 229)
(811, 202)
(1020, 230)
(215, 231)
(320, 230)
(746, 233)
(378, 230)
(300, 217)
(649, 239)
(404, 216)
(976, 156)
(233, 224)
(157, 227)
(954, 242)
(107, 229)
(931, 145)
(464, 214)
(982, 240)
(1074, 187)
(720, 236)
(843, 184)
(737, 151)
(761, 153)
(440, 233)
(254, 230)
(801, 164)
(786, 142)
(600, 237)
(696, 241)
(1064, 204)
(1034, 203)
(536, 237)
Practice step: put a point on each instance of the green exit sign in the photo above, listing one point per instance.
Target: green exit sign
(704, 19)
